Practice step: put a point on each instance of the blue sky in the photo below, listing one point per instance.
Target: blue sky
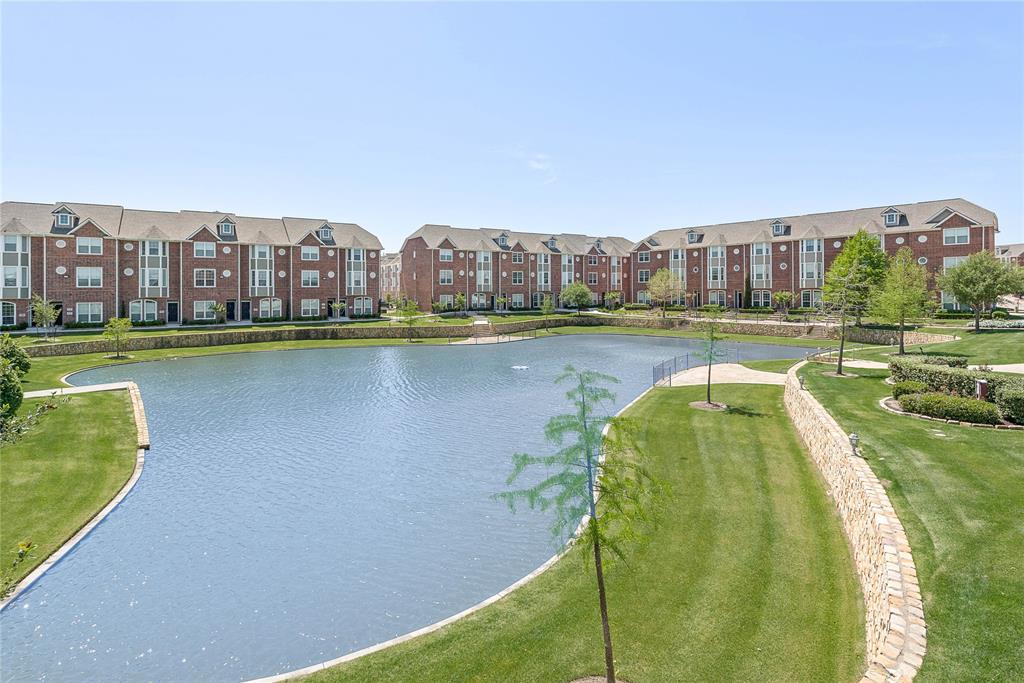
(596, 118)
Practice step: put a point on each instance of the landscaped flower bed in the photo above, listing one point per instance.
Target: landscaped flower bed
(936, 379)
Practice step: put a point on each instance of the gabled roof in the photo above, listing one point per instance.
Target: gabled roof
(485, 239)
(891, 209)
(917, 216)
(88, 221)
(63, 208)
(946, 213)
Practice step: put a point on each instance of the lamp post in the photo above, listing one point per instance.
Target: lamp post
(854, 440)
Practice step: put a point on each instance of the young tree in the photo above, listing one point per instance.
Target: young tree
(861, 264)
(711, 351)
(44, 314)
(576, 295)
(612, 299)
(664, 287)
(587, 467)
(842, 296)
(547, 305)
(338, 308)
(783, 300)
(408, 312)
(500, 302)
(903, 296)
(116, 331)
(979, 281)
(460, 301)
(15, 354)
(220, 311)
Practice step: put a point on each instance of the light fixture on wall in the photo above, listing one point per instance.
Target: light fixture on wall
(854, 440)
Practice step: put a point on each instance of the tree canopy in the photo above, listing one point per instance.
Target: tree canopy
(979, 281)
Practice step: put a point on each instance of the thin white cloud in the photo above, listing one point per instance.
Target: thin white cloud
(538, 162)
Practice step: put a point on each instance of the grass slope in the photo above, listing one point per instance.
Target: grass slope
(959, 492)
(989, 346)
(748, 576)
(63, 472)
(689, 334)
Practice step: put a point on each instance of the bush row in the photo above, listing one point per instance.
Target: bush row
(947, 407)
(1005, 392)
(948, 361)
(910, 386)
(11, 328)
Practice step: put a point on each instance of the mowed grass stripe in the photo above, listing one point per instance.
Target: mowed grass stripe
(748, 576)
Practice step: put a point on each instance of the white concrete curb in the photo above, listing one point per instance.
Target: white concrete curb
(142, 432)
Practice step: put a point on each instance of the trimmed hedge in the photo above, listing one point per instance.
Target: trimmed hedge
(908, 387)
(959, 381)
(948, 361)
(147, 323)
(11, 328)
(951, 408)
(1010, 400)
(81, 326)
(637, 307)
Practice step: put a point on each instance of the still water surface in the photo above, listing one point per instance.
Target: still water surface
(299, 505)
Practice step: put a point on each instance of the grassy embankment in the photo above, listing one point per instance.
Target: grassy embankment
(60, 474)
(747, 577)
(959, 492)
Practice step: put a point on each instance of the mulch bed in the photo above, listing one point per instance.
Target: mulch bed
(704, 405)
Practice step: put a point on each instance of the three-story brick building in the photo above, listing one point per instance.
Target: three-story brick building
(504, 269)
(98, 261)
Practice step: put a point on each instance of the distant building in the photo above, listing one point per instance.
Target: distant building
(1011, 253)
(98, 261)
(390, 276)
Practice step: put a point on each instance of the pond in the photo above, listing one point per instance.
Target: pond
(300, 505)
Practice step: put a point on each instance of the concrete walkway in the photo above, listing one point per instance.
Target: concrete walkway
(1007, 367)
(87, 389)
(723, 373)
(493, 339)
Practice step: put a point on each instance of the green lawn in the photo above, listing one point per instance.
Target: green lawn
(959, 492)
(772, 365)
(989, 346)
(748, 576)
(46, 372)
(59, 475)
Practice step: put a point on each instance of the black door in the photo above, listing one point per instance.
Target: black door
(246, 315)
(172, 311)
(330, 309)
(230, 314)
(60, 312)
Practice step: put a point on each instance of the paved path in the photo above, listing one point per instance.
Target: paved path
(1008, 367)
(492, 339)
(87, 389)
(724, 373)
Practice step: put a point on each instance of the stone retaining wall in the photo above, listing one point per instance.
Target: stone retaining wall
(870, 335)
(893, 611)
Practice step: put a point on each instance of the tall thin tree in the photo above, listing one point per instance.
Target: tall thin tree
(590, 466)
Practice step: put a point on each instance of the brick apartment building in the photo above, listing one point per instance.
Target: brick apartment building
(390, 276)
(1011, 253)
(489, 265)
(99, 261)
(793, 253)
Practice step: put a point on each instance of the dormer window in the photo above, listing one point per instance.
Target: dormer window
(778, 229)
(64, 220)
(551, 243)
(325, 232)
(692, 237)
(892, 218)
(226, 229)
(502, 241)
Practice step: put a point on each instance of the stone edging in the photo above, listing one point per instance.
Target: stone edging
(882, 403)
(142, 432)
(438, 625)
(894, 612)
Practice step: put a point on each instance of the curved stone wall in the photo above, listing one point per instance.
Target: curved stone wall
(893, 611)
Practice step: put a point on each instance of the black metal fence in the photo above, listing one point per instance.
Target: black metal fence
(661, 374)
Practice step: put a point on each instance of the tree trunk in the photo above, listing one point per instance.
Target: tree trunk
(710, 358)
(609, 660)
(842, 345)
(977, 319)
(901, 337)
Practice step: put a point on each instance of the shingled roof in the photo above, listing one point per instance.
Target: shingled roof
(487, 239)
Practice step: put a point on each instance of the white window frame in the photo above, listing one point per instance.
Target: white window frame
(362, 305)
(445, 255)
(269, 307)
(643, 257)
(93, 312)
(692, 237)
(643, 276)
(310, 278)
(518, 300)
(204, 277)
(93, 246)
(8, 313)
(226, 229)
(309, 308)
(716, 297)
(324, 233)
(447, 301)
(517, 257)
(956, 234)
(517, 277)
(892, 219)
(445, 277)
(591, 259)
(90, 274)
(591, 278)
(63, 220)
(717, 263)
(142, 310)
(309, 253)
(201, 310)
(204, 250)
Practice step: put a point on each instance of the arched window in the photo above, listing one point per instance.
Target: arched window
(142, 310)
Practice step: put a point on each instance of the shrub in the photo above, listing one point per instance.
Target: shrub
(948, 361)
(269, 319)
(186, 321)
(959, 381)
(951, 408)
(756, 309)
(1002, 324)
(72, 325)
(147, 323)
(11, 393)
(675, 307)
(954, 315)
(11, 351)
(1010, 400)
(908, 387)
(637, 307)
(10, 328)
(999, 315)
